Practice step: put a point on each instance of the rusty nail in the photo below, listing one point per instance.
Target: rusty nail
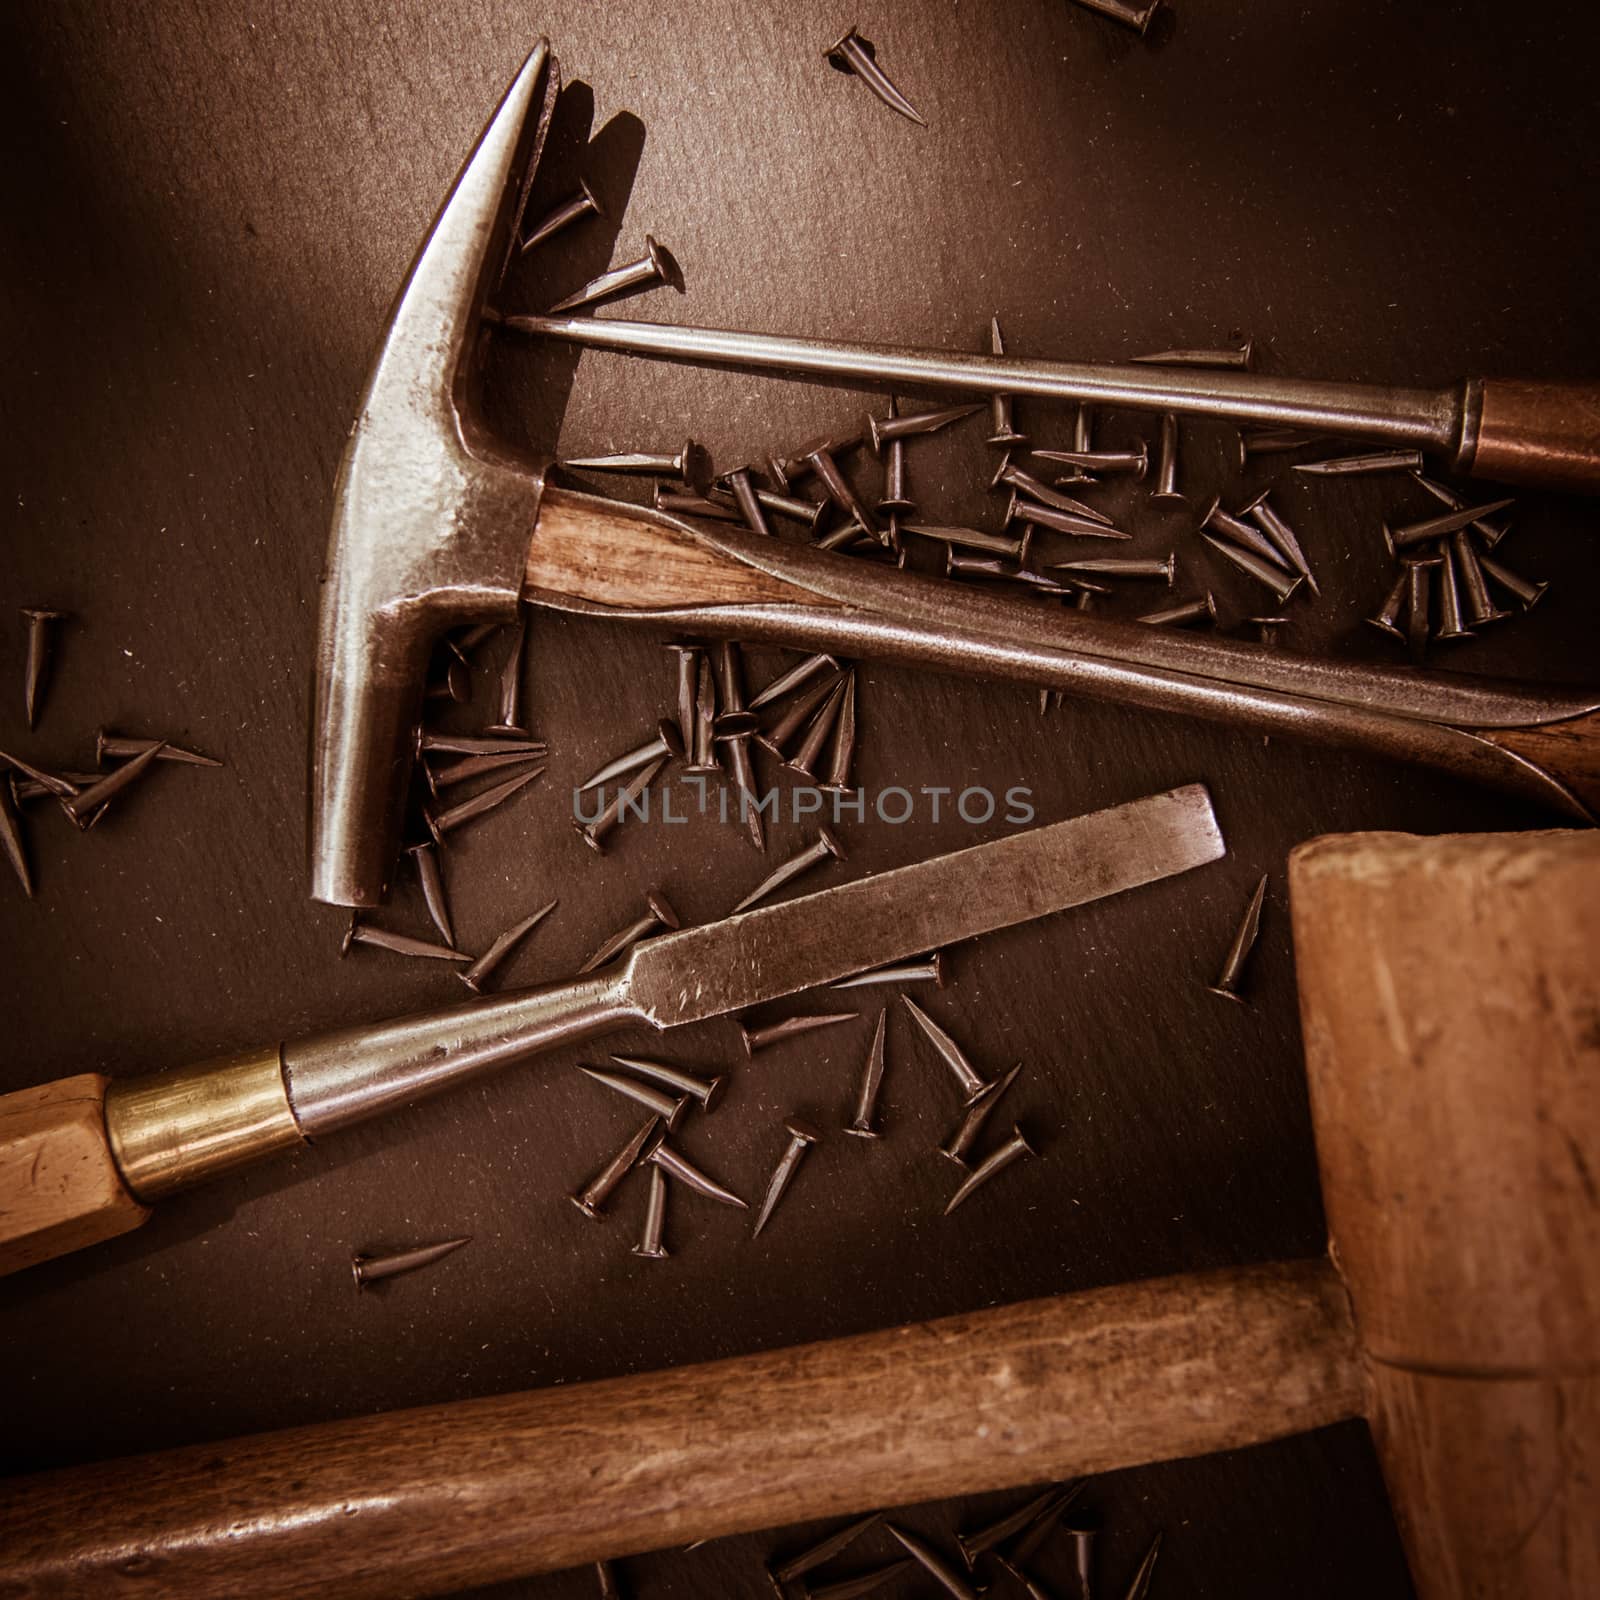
(625, 799)
(650, 1244)
(476, 744)
(824, 845)
(1387, 616)
(479, 972)
(691, 463)
(83, 805)
(1124, 567)
(1240, 358)
(592, 1197)
(1418, 571)
(447, 821)
(667, 742)
(972, 1084)
(774, 739)
(995, 1162)
(934, 1565)
(371, 1269)
(582, 204)
(680, 1167)
(510, 723)
(1021, 509)
(1492, 532)
(853, 54)
(844, 741)
(984, 1539)
(1283, 537)
(864, 1123)
(823, 1551)
(1001, 422)
(34, 674)
(801, 1136)
(1480, 605)
(1166, 490)
(425, 858)
(1278, 579)
(793, 678)
(1244, 938)
(928, 970)
(11, 840)
(660, 915)
(789, 1028)
(804, 760)
(884, 430)
(114, 747)
(1451, 625)
(1362, 465)
(671, 1110)
(1528, 593)
(1201, 610)
(1135, 463)
(400, 944)
(820, 459)
(654, 266)
(959, 1145)
(1437, 527)
(708, 1091)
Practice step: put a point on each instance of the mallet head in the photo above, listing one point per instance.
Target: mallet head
(431, 518)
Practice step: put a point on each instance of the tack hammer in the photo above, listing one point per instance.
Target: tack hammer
(436, 523)
(1451, 1010)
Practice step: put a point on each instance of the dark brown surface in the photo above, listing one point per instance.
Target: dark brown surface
(211, 208)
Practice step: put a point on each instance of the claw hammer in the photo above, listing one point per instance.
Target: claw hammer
(437, 523)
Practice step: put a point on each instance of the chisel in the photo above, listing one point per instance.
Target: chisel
(83, 1158)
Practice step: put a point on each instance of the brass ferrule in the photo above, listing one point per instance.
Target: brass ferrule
(174, 1129)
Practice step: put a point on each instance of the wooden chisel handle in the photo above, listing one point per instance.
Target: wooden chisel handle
(428, 1501)
(1544, 435)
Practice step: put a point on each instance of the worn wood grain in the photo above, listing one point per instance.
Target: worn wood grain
(423, 1501)
(59, 1186)
(1450, 998)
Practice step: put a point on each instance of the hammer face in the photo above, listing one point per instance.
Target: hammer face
(431, 518)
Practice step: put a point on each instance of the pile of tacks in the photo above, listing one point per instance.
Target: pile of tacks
(84, 797)
(1010, 1544)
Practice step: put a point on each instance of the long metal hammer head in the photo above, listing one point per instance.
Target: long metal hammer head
(431, 518)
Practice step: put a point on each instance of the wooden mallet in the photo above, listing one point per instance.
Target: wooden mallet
(1450, 996)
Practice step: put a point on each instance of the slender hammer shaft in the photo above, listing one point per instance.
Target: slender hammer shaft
(1431, 419)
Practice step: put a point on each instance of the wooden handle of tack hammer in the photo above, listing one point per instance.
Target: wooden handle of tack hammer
(1544, 435)
(1450, 1000)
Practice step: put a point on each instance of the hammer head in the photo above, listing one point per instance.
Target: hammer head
(431, 520)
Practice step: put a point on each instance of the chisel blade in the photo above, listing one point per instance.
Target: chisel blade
(781, 949)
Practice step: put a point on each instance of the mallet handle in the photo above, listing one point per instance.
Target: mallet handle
(427, 1501)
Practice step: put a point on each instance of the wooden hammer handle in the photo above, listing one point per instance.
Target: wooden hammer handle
(424, 1502)
(1544, 435)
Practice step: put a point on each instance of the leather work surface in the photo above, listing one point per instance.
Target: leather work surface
(211, 209)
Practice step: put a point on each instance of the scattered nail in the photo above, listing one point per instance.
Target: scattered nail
(667, 742)
(654, 266)
(851, 53)
(1244, 938)
(819, 458)
(693, 505)
(1480, 605)
(1528, 593)
(934, 1565)
(510, 723)
(1124, 567)
(1279, 580)
(824, 845)
(1036, 489)
(400, 944)
(1387, 616)
(973, 1084)
(997, 544)
(1267, 628)
(1248, 535)
(1166, 490)
(1492, 532)
(844, 741)
(425, 858)
(38, 664)
(371, 1269)
(83, 805)
(679, 1167)
(864, 1123)
(1201, 610)
(1135, 463)
(825, 1550)
(607, 1579)
(883, 430)
(1451, 625)
(982, 1540)
(624, 800)
(650, 1244)
(809, 750)
(1363, 465)
(1437, 527)
(1029, 1540)
(582, 204)
(114, 747)
(1083, 1527)
(592, 1197)
(468, 768)
(703, 752)
(456, 684)
(863, 1582)
(483, 968)
(1140, 1586)
(747, 500)
(789, 1028)
(659, 915)
(690, 463)
(671, 1111)
(959, 1145)
(793, 678)
(801, 1136)
(51, 782)
(1014, 1149)
(708, 1091)
(447, 821)
(12, 842)
(1003, 428)
(1283, 537)
(1418, 571)
(775, 738)
(477, 744)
